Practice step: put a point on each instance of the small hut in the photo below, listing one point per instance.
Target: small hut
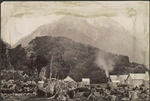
(70, 82)
(68, 79)
(85, 81)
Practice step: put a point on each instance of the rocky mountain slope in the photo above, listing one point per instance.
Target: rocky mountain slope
(104, 33)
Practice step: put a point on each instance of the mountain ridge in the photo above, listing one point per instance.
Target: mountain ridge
(112, 38)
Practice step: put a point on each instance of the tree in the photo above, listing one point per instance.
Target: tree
(59, 68)
(17, 57)
(31, 57)
(4, 54)
(40, 62)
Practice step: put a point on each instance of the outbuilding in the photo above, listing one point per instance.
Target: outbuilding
(118, 79)
(85, 81)
(137, 79)
(68, 79)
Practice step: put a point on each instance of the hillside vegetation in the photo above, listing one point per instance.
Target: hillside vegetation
(68, 58)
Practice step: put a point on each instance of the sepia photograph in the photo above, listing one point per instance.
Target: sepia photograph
(74, 51)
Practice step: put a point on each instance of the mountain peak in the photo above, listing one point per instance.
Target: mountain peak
(70, 17)
(74, 21)
(105, 33)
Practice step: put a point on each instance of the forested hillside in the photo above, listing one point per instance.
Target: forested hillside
(68, 58)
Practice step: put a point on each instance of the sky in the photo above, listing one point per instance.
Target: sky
(18, 19)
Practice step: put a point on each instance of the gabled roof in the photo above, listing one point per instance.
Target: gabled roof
(123, 77)
(118, 78)
(135, 76)
(114, 78)
(139, 76)
(68, 79)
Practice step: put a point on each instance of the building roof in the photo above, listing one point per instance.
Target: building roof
(139, 76)
(85, 79)
(123, 77)
(118, 78)
(68, 79)
(114, 78)
(135, 76)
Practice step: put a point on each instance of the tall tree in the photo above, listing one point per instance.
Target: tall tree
(17, 57)
(5, 59)
(40, 62)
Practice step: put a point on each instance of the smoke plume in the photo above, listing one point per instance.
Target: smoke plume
(105, 62)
